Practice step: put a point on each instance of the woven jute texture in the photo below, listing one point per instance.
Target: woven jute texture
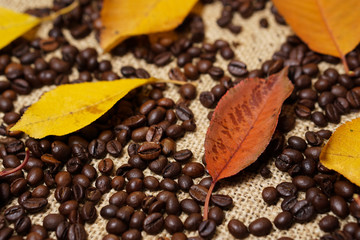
(253, 45)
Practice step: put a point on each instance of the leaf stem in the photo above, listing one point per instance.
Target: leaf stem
(177, 82)
(207, 200)
(4, 173)
(61, 12)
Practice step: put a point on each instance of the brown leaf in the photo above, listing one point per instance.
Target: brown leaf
(242, 125)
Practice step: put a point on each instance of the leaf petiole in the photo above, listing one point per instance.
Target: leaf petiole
(207, 200)
(21, 166)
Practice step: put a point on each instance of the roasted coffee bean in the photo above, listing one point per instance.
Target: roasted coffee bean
(223, 201)
(77, 232)
(149, 151)
(189, 125)
(189, 206)
(173, 224)
(302, 111)
(270, 195)
(158, 165)
(156, 115)
(134, 199)
(35, 176)
(329, 223)
(169, 185)
(132, 234)
(124, 213)
(13, 213)
(39, 230)
(216, 73)
(105, 166)
(286, 189)
(193, 221)
(134, 173)
(6, 105)
(18, 186)
(137, 220)
(351, 228)
(297, 143)
(52, 220)
(175, 131)
(22, 225)
(115, 226)
(151, 183)
(114, 147)
(217, 215)
(204, 65)
(154, 134)
(103, 183)
(6, 233)
(260, 227)
(283, 220)
(193, 169)
(177, 74)
(162, 58)
(303, 211)
(332, 114)
(344, 189)
(62, 230)
(109, 211)
(139, 134)
(198, 193)
(97, 148)
(40, 191)
(288, 203)
(173, 206)
(33, 205)
(63, 178)
(319, 119)
(157, 206)
(237, 68)
(207, 228)
(13, 71)
(353, 98)
(320, 202)
(118, 199)
(133, 185)
(171, 170)
(339, 206)
(302, 183)
(183, 112)
(207, 99)
(185, 182)
(153, 223)
(206, 182)
(237, 229)
(89, 171)
(191, 71)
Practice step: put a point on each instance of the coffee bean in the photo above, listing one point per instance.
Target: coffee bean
(260, 227)
(344, 189)
(237, 229)
(288, 203)
(185, 182)
(177, 74)
(237, 68)
(217, 215)
(332, 113)
(109, 211)
(149, 151)
(329, 223)
(297, 143)
(124, 213)
(114, 147)
(191, 71)
(173, 224)
(189, 206)
(283, 220)
(132, 234)
(198, 193)
(171, 170)
(286, 189)
(223, 201)
(303, 183)
(18, 186)
(207, 99)
(118, 199)
(33, 205)
(193, 221)
(35, 176)
(303, 211)
(52, 220)
(13, 71)
(6, 233)
(162, 58)
(40, 191)
(193, 169)
(153, 223)
(207, 228)
(169, 185)
(270, 195)
(321, 202)
(351, 228)
(134, 199)
(137, 220)
(115, 226)
(319, 119)
(302, 111)
(103, 183)
(339, 206)
(97, 148)
(13, 213)
(175, 131)
(158, 165)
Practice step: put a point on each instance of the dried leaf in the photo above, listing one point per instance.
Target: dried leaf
(14, 24)
(71, 107)
(342, 152)
(329, 27)
(126, 18)
(242, 125)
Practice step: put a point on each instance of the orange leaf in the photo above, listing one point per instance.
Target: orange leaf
(242, 125)
(126, 18)
(327, 26)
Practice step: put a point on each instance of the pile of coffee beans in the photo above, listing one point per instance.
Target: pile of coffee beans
(79, 169)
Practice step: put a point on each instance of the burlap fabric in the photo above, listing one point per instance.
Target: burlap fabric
(253, 46)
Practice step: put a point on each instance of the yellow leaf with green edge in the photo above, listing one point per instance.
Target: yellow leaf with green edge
(126, 18)
(342, 151)
(71, 107)
(14, 25)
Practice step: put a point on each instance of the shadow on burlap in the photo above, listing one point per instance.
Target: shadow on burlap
(253, 45)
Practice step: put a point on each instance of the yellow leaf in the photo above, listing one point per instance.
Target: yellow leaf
(327, 26)
(14, 25)
(342, 152)
(73, 106)
(126, 18)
